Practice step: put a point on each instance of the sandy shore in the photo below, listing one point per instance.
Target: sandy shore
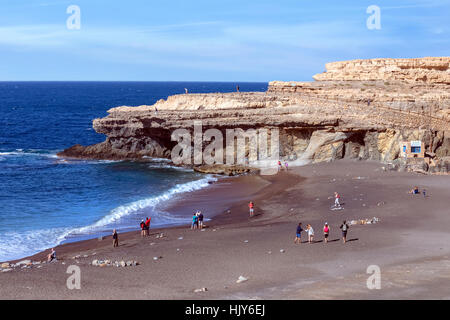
(410, 244)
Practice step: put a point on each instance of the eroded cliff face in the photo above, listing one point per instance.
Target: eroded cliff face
(361, 109)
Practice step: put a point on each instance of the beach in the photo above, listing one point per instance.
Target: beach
(409, 243)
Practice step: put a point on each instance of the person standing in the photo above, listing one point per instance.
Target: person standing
(147, 226)
(286, 165)
(298, 234)
(326, 232)
(142, 225)
(310, 231)
(251, 208)
(200, 220)
(115, 238)
(344, 227)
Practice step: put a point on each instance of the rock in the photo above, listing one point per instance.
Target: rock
(5, 265)
(7, 270)
(200, 290)
(282, 251)
(95, 262)
(246, 241)
(23, 262)
(329, 119)
(129, 263)
(85, 256)
(381, 203)
(241, 279)
(123, 264)
(180, 238)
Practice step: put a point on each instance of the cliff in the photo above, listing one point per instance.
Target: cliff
(360, 109)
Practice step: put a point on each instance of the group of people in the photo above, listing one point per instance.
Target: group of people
(280, 165)
(145, 227)
(326, 232)
(197, 220)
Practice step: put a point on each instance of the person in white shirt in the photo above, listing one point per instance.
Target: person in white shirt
(310, 232)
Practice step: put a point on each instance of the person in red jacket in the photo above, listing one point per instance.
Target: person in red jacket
(147, 226)
(251, 207)
(142, 225)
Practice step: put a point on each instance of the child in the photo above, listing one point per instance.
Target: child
(336, 199)
(194, 221)
(298, 234)
(326, 232)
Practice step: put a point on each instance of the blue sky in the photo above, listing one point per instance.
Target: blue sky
(197, 40)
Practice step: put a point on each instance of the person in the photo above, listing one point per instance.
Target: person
(156, 110)
(336, 199)
(142, 225)
(194, 221)
(200, 220)
(251, 208)
(279, 165)
(286, 165)
(115, 238)
(415, 190)
(310, 231)
(344, 227)
(424, 192)
(237, 88)
(186, 91)
(298, 234)
(326, 232)
(51, 256)
(147, 226)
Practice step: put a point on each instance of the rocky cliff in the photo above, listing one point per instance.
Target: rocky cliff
(361, 109)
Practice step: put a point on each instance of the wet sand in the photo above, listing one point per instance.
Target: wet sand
(410, 244)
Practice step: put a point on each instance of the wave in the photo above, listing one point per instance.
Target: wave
(31, 152)
(120, 212)
(15, 245)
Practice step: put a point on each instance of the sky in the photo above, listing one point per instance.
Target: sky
(199, 40)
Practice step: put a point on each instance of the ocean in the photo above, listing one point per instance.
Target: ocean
(46, 200)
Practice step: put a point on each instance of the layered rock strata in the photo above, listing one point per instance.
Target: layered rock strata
(360, 109)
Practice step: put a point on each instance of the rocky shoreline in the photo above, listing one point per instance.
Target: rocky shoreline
(361, 109)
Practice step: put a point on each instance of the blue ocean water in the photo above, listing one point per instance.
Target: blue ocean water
(45, 200)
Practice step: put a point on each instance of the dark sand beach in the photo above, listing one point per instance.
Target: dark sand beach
(410, 243)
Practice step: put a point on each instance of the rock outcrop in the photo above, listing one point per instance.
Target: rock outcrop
(361, 109)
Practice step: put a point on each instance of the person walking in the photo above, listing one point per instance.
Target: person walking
(344, 227)
(326, 232)
(142, 225)
(298, 234)
(194, 221)
(337, 197)
(115, 238)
